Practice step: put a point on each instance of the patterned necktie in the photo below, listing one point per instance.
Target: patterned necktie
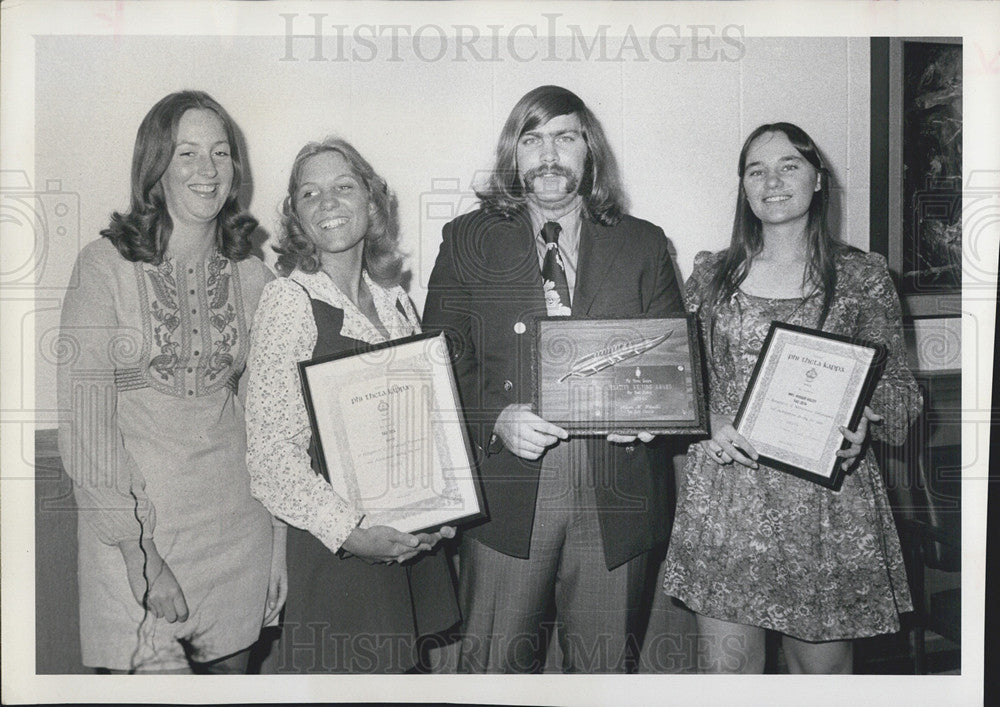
(554, 273)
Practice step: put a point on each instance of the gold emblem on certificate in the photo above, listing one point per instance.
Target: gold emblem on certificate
(597, 376)
(805, 386)
(391, 435)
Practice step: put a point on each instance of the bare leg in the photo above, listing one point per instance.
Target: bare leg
(725, 647)
(235, 664)
(822, 658)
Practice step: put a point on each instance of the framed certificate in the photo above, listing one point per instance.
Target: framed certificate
(805, 386)
(390, 433)
(596, 376)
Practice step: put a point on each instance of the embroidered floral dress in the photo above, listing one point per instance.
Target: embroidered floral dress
(154, 439)
(763, 547)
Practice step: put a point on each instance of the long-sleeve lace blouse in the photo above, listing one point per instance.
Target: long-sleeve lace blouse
(278, 432)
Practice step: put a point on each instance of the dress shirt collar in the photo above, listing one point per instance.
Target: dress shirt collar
(569, 236)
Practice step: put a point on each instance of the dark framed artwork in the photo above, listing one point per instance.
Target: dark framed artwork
(916, 212)
(916, 199)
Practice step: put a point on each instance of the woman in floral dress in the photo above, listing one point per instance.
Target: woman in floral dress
(755, 548)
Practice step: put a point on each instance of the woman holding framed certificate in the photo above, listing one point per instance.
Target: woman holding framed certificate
(754, 547)
(359, 597)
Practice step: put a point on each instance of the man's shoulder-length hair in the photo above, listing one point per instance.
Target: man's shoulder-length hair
(601, 184)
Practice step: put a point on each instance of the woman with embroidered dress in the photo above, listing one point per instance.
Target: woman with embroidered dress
(359, 598)
(176, 569)
(754, 548)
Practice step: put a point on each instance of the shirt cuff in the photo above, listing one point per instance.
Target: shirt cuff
(335, 531)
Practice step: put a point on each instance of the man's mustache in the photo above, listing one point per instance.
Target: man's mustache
(554, 170)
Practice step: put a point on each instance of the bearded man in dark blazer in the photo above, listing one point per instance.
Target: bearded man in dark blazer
(571, 519)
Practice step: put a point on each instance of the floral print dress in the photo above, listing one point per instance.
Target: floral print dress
(765, 548)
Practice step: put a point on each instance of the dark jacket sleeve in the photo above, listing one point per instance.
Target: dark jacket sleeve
(446, 310)
(666, 299)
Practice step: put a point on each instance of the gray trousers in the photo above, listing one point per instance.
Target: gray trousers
(511, 605)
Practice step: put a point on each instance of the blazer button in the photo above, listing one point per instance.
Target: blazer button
(508, 386)
(520, 328)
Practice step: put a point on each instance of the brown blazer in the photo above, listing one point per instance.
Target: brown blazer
(485, 285)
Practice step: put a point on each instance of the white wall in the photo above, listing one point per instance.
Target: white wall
(428, 126)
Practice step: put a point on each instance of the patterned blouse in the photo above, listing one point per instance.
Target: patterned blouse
(278, 432)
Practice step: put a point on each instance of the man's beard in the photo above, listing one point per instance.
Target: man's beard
(572, 181)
